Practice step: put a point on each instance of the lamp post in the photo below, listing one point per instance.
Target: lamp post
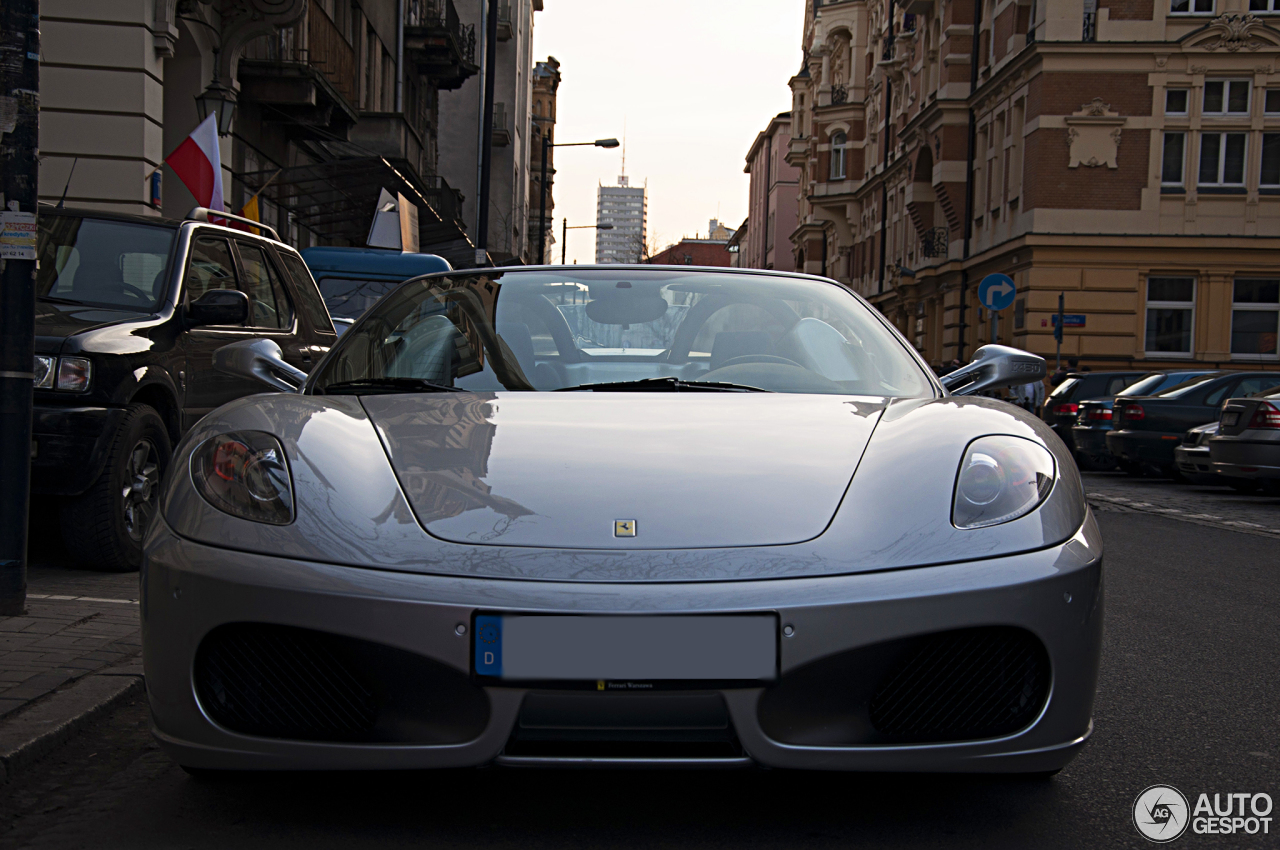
(547, 144)
(217, 98)
(564, 234)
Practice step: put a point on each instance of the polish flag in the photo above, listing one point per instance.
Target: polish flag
(198, 164)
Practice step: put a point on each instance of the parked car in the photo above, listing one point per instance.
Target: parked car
(1095, 417)
(351, 280)
(1247, 445)
(129, 312)
(1150, 427)
(1063, 404)
(764, 538)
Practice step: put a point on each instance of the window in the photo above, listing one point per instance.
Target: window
(1171, 171)
(1255, 316)
(1271, 104)
(311, 303)
(210, 267)
(839, 143)
(1170, 311)
(1222, 159)
(1175, 101)
(1226, 97)
(1191, 7)
(1264, 6)
(268, 305)
(1270, 173)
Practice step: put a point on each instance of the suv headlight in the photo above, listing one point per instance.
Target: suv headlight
(245, 474)
(74, 374)
(1001, 478)
(44, 371)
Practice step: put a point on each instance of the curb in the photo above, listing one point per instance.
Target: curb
(36, 731)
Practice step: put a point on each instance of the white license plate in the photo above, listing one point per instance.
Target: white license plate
(633, 650)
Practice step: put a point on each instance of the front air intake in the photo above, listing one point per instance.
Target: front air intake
(282, 682)
(964, 685)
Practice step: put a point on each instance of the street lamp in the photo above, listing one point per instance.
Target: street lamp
(218, 98)
(564, 234)
(547, 144)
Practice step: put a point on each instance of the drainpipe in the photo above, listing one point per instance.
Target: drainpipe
(884, 181)
(968, 177)
(400, 59)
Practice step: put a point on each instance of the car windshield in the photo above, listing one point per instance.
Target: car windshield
(348, 298)
(103, 263)
(1179, 390)
(1152, 384)
(660, 330)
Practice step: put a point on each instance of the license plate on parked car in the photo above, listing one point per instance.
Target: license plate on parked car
(1230, 418)
(626, 651)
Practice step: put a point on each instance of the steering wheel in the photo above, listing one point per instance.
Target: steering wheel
(758, 358)
(130, 289)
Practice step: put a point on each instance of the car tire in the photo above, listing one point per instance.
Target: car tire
(104, 527)
(1245, 486)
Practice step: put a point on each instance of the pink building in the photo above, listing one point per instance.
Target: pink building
(772, 208)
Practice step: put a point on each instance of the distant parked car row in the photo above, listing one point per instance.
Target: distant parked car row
(1202, 426)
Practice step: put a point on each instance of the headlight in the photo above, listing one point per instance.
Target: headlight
(1001, 478)
(245, 474)
(44, 372)
(74, 374)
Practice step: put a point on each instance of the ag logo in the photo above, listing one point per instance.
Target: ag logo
(1161, 814)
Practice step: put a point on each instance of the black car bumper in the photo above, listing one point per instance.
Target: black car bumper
(1091, 441)
(71, 445)
(1147, 447)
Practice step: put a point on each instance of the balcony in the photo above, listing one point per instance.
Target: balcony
(504, 21)
(501, 126)
(306, 72)
(438, 43)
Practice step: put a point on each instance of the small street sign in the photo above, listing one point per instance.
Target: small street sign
(1070, 320)
(996, 291)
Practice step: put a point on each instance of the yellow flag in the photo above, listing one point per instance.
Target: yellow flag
(251, 211)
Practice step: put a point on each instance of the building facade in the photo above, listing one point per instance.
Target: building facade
(625, 209)
(1123, 154)
(460, 128)
(772, 205)
(324, 113)
(695, 252)
(546, 84)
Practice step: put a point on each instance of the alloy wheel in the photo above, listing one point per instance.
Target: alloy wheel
(141, 488)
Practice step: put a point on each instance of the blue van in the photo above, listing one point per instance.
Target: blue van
(352, 279)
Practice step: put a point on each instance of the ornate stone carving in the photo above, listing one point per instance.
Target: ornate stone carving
(1093, 135)
(1199, 69)
(1234, 32)
(245, 20)
(1162, 61)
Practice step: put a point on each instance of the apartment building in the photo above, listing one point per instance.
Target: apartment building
(772, 205)
(460, 129)
(319, 113)
(1123, 154)
(625, 209)
(546, 83)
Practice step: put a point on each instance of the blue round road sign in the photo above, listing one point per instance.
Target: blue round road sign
(996, 291)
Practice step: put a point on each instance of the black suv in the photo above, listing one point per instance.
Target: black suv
(129, 312)
(1062, 405)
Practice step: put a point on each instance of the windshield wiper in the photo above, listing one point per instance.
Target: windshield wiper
(667, 384)
(372, 386)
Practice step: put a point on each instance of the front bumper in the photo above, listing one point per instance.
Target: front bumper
(71, 446)
(1091, 442)
(1193, 461)
(1147, 447)
(189, 589)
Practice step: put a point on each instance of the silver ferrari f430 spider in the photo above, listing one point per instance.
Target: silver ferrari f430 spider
(647, 515)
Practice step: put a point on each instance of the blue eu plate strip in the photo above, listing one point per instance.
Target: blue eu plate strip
(488, 645)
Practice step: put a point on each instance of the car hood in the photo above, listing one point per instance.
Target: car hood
(687, 470)
(58, 321)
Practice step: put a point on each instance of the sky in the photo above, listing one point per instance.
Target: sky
(693, 81)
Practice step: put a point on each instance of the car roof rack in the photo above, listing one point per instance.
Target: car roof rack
(203, 213)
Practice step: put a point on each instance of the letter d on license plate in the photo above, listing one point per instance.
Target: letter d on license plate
(554, 648)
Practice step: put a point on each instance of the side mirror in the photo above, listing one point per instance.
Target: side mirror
(995, 367)
(259, 360)
(219, 307)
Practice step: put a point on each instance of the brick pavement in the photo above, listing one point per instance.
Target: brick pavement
(1217, 507)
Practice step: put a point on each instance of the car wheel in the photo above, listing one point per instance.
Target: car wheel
(1244, 485)
(105, 526)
